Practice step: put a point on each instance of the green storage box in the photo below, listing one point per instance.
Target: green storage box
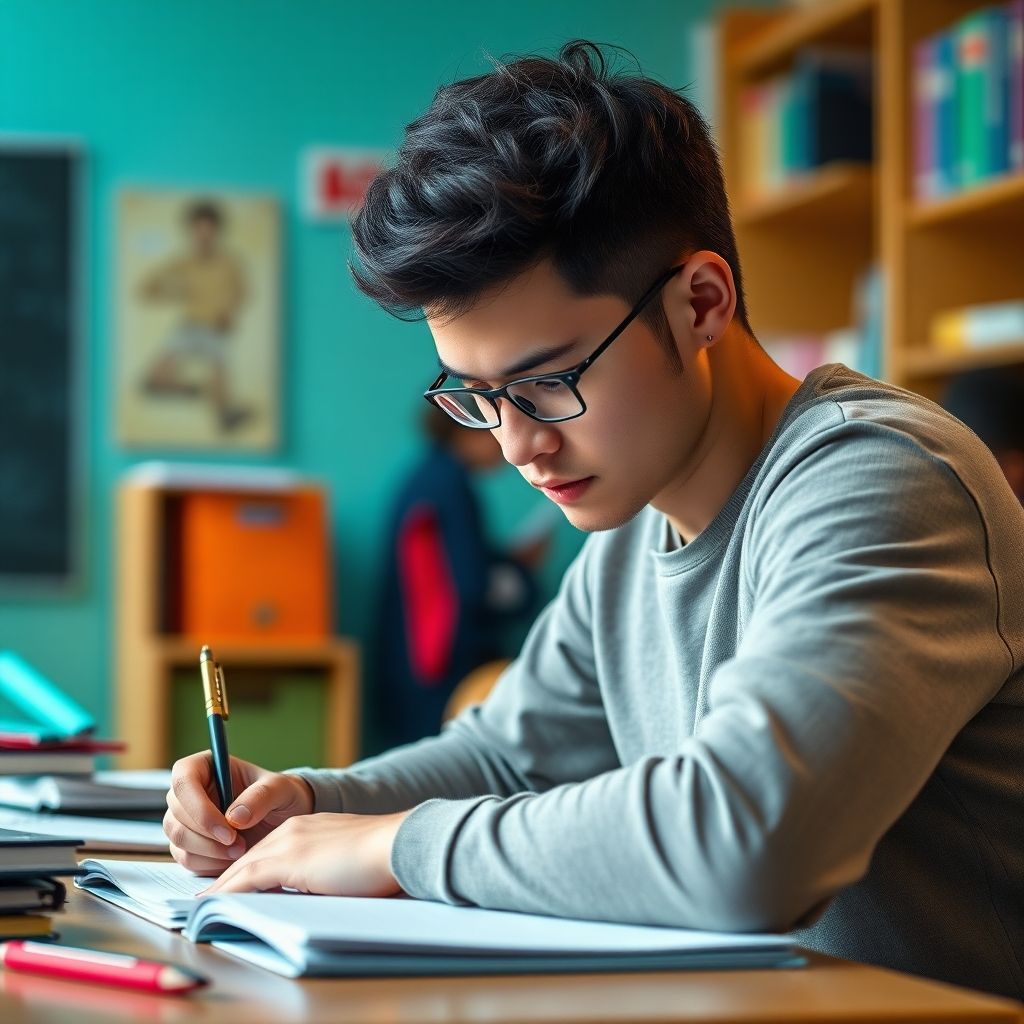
(277, 716)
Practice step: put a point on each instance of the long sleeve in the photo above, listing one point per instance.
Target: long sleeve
(871, 636)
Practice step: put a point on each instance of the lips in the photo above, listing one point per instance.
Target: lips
(566, 491)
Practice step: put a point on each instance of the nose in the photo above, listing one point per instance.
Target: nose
(522, 439)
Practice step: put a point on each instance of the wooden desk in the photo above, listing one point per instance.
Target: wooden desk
(827, 990)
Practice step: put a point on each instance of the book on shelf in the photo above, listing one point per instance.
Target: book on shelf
(817, 114)
(983, 94)
(968, 101)
(935, 116)
(977, 327)
(296, 934)
(1016, 80)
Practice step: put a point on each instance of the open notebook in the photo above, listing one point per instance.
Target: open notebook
(294, 934)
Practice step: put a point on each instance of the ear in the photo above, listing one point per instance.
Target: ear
(700, 301)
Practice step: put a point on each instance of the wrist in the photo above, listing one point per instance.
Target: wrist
(304, 797)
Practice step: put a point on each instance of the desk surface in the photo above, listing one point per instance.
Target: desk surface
(827, 990)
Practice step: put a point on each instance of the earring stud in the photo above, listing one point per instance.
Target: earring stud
(710, 338)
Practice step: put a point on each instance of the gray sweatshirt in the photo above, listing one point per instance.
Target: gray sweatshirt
(809, 718)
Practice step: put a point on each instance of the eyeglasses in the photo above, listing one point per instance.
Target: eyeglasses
(549, 397)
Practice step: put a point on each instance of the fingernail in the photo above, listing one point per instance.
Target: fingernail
(223, 835)
(240, 814)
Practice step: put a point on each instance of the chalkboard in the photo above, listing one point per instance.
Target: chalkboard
(39, 246)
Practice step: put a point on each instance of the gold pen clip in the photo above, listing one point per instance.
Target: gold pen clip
(214, 687)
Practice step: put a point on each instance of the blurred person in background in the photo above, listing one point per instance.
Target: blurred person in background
(991, 402)
(448, 591)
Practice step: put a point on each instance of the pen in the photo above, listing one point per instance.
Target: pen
(215, 691)
(96, 965)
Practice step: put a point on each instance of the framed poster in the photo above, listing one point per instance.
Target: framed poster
(198, 318)
(41, 436)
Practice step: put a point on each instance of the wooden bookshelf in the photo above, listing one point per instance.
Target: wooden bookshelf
(804, 247)
(149, 655)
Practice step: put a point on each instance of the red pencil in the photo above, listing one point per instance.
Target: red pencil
(96, 965)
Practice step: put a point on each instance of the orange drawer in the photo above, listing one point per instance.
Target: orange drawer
(255, 565)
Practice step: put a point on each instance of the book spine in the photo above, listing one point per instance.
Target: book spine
(971, 45)
(982, 91)
(1015, 37)
(996, 323)
(945, 114)
(923, 105)
(997, 92)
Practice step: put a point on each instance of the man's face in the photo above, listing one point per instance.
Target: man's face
(204, 232)
(634, 443)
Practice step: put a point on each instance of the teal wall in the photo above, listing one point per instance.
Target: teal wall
(227, 93)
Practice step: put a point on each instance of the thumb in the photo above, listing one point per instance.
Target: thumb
(253, 804)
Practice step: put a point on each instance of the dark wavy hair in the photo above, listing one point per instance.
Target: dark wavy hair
(609, 174)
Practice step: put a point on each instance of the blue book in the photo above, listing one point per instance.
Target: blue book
(946, 176)
(51, 712)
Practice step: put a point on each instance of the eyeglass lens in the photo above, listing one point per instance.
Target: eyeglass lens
(546, 399)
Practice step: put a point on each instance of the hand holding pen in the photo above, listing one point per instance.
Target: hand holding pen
(204, 838)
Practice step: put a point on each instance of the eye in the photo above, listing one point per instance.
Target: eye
(548, 385)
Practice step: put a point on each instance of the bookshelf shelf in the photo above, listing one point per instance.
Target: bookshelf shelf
(840, 23)
(995, 202)
(808, 249)
(925, 362)
(839, 195)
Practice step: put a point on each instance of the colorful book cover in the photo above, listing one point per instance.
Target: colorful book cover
(982, 93)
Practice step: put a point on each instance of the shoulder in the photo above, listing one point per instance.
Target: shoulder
(851, 428)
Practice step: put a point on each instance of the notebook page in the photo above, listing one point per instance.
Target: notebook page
(152, 885)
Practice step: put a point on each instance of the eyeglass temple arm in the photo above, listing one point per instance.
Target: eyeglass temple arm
(633, 314)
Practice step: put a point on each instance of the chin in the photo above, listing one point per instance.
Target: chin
(594, 520)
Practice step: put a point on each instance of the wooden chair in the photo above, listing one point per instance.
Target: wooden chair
(475, 687)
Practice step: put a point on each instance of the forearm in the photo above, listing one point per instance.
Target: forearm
(451, 765)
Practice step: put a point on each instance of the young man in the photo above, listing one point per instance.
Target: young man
(781, 687)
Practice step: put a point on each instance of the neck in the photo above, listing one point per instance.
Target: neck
(747, 395)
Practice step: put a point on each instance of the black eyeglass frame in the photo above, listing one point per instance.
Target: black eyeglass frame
(570, 378)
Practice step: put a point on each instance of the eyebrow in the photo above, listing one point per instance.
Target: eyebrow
(527, 363)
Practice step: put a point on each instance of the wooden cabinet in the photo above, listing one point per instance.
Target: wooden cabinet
(151, 657)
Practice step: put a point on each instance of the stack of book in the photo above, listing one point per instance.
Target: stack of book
(818, 114)
(48, 770)
(968, 101)
(30, 870)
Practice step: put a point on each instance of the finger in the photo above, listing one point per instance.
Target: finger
(181, 815)
(205, 866)
(254, 872)
(182, 834)
(188, 785)
(253, 804)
